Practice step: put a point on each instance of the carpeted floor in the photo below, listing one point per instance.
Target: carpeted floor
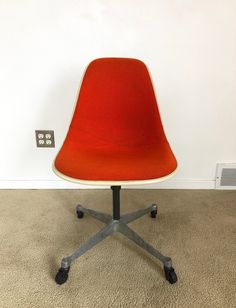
(196, 228)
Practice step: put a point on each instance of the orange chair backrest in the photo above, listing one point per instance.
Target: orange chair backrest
(116, 106)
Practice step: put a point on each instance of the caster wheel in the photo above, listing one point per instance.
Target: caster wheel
(62, 275)
(170, 274)
(153, 213)
(80, 214)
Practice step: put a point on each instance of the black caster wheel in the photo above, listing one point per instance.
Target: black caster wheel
(62, 275)
(153, 213)
(80, 214)
(170, 274)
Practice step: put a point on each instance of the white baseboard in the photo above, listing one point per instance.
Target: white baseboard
(60, 184)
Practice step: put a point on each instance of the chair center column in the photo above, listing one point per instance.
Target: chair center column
(116, 201)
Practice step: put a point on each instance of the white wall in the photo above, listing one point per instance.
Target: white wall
(189, 46)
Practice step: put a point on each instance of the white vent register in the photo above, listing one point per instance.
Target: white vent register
(226, 176)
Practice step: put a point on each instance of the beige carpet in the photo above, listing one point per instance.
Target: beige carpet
(196, 228)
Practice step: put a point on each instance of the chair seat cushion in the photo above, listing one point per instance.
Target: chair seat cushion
(106, 163)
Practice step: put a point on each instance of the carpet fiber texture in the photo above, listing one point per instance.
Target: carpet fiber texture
(197, 229)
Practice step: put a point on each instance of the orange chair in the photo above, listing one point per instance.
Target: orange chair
(116, 138)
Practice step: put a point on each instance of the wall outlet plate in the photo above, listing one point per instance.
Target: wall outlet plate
(45, 138)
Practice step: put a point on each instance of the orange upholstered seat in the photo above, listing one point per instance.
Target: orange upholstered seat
(116, 132)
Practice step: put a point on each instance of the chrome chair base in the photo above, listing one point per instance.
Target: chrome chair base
(112, 226)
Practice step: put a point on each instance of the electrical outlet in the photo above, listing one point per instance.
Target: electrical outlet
(45, 138)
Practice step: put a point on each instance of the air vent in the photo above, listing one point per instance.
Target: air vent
(226, 176)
